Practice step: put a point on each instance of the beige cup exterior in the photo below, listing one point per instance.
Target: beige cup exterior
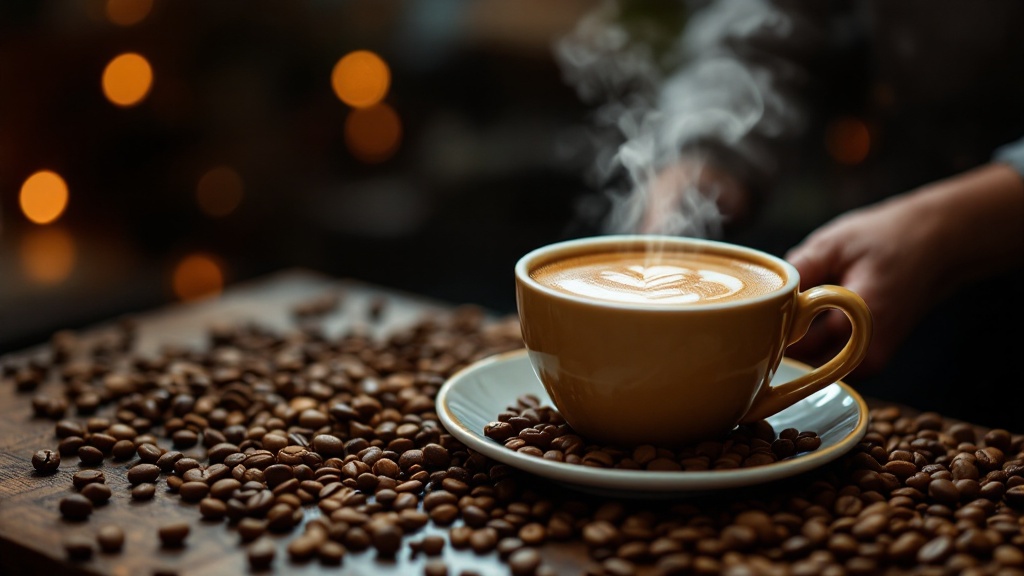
(636, 374)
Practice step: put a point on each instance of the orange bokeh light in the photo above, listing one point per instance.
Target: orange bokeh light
(848, 140)
(219, 191)
(128, 12)
(198, 276)
(361, 79)
(127, 79)
(373, 134)
(47, 255)
(44, 196)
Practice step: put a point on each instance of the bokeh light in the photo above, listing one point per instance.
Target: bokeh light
(47, 255)
(848, 140)
(373, 134)
(128, 12)
(44, 196)
(127, 79)
(361, 79)
(198, 276)
(219, 191)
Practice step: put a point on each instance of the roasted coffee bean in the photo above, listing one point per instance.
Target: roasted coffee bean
(193, 491)
(90, 456)
(483, 540)
(386, 538)
(65, 428)
(69, 446)
(123, 450)
(83, 477)
(173, 535)
(330, 553)
(167, 460)
(103, 442)
(506, 546)
(459, 537)
(143, 491)
(432, 545)
(524, 562)
(97, 492)
(184, 464)
(1015, 497)
(520, 430)
(75, 507)
(259, 503)
(224, 488)
(185, 438)
(444, 514)
(219, 452)
(261, 554)
(110, 538)
(328, 445)
(143, 473)
(212, 508)
(283, 424)
(251, 528)
(46, 461)
(149, 453)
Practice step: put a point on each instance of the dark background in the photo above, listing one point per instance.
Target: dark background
(487, 167)
(493, 160)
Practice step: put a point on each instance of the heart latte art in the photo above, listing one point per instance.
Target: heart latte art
(658, 278)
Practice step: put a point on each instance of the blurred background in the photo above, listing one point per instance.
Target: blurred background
(155, 151)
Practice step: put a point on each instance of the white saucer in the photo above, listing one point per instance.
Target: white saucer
(475, 395)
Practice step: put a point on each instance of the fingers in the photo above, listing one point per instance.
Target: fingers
(813, 261)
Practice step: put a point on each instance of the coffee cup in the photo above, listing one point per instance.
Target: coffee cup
(646, 339)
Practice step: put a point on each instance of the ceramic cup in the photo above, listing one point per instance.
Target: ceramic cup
(671, 340)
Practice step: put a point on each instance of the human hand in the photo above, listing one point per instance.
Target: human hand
(907, 253)
(887, 253)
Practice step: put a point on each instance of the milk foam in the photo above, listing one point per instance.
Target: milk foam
(666, 278)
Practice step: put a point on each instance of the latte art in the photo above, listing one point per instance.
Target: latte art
(667, 278)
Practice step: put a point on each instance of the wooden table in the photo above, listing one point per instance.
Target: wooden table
(31, 528)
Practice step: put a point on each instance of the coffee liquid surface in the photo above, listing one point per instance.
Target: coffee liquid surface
(639, 277)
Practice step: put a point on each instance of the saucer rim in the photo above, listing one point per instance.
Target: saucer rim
(619, 480)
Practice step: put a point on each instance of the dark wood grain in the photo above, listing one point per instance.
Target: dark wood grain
(32, 530)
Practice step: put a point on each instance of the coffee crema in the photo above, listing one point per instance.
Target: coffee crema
(642, 277)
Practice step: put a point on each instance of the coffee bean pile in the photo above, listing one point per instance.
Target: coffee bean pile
(533, 429)
(258, 428)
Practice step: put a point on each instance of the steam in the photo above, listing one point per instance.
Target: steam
(649, 108)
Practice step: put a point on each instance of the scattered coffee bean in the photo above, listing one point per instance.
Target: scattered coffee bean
(173, 535)
(97, 493)
(193, 491)
(46, 461)
(90, 456)
(330, 553)
(110, 538)
(524, 562)
(143, 491)
(276, 425)
(143, 473)
(75, 507)
(83, 477)
(432, 545)
(212, 508)
(261, 554)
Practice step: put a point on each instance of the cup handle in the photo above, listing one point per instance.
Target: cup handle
(809, 304)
